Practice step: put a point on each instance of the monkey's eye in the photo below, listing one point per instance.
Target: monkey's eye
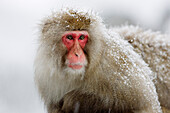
(69, 37)
(81, 37)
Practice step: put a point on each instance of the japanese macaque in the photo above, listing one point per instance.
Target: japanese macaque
(83, 67)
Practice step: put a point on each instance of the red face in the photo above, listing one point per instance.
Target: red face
(75, 42)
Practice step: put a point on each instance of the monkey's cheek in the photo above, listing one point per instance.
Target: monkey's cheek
(75, 67)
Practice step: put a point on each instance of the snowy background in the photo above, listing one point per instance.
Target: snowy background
(18, 33)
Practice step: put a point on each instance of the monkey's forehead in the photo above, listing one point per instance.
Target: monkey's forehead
(75, 21)
(71, 19)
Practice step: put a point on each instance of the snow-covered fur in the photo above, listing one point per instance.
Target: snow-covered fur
(115, 72)
(155, 51)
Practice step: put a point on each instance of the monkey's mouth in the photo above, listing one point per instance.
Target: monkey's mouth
(75, 66)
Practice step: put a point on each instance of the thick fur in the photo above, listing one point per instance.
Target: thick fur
(155, 51)
(116, 79)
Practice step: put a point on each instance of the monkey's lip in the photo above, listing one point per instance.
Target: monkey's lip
(75, 66)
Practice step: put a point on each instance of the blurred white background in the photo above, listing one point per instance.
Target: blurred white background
(19, 21)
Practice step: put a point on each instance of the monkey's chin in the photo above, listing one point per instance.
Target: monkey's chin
(75, 69)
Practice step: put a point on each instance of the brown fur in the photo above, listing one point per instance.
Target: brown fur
(165, 110)
(70, 21)
(115, 80)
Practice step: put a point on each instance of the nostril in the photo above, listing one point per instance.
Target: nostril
(76, 54)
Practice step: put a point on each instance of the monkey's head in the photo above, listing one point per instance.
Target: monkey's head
(70, 41)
